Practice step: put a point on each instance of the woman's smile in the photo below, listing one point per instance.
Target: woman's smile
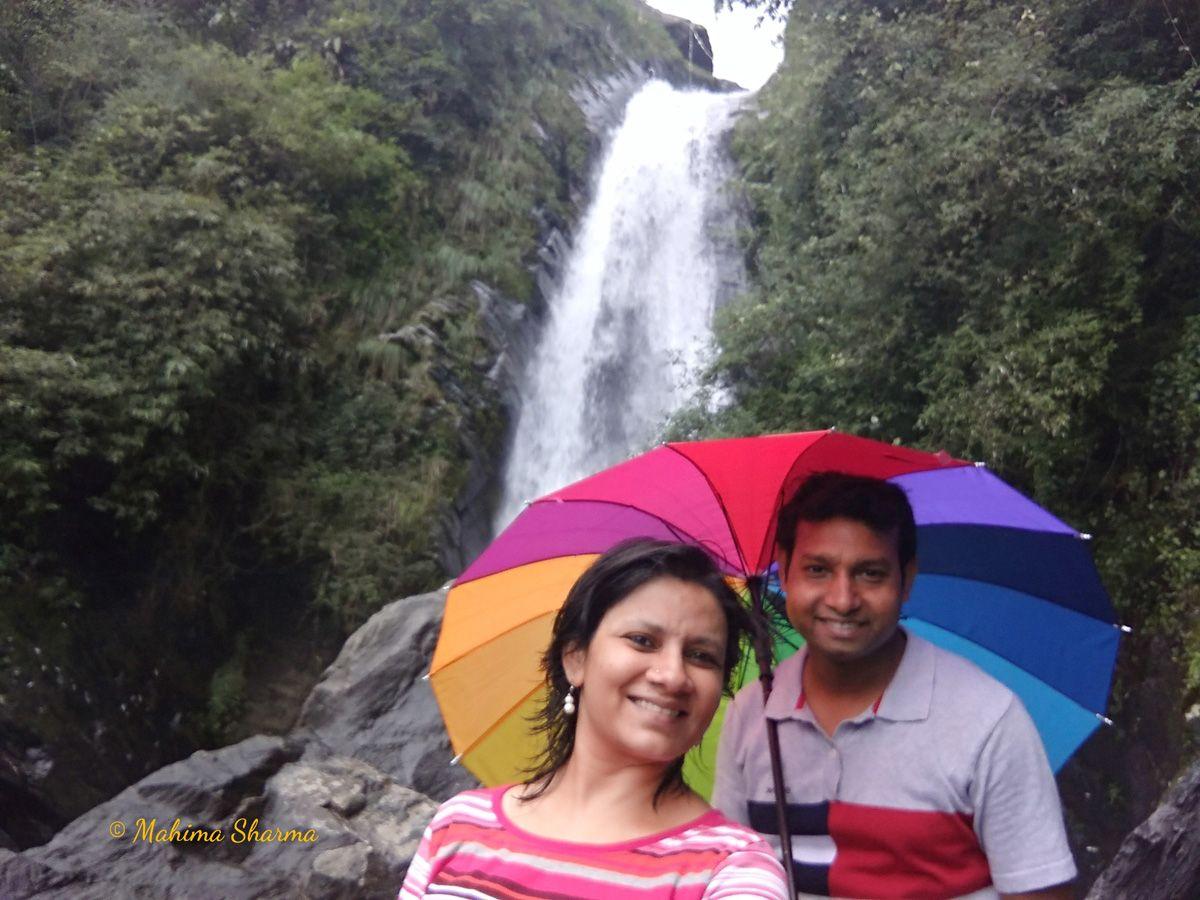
(662, 710)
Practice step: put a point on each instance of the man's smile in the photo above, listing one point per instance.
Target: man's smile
(840, 625)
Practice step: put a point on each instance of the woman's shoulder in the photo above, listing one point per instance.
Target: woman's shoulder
(476, 806)
(748, 866)
(719, 832)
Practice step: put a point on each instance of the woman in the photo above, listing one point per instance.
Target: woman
(639, 657)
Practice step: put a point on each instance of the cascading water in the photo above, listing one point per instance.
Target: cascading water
(631, 324)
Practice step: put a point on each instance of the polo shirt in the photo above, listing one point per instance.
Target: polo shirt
(940, 789)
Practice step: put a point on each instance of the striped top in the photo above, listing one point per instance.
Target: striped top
(471, 849)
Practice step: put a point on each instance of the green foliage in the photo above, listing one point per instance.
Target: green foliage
(60, 59)
(239, 353)
(977, 226)
(227, 693)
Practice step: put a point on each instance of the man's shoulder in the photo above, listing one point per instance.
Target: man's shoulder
(960, 683)
(969, 709)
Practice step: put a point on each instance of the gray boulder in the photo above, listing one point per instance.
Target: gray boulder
(250, 820)
(374, 705)
(346, 788)
(1160, 860)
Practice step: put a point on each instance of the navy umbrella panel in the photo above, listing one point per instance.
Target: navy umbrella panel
(1011, 587)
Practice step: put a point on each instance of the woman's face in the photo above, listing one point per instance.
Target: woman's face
(651, 678)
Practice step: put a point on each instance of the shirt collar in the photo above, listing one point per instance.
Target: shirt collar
(907, 698)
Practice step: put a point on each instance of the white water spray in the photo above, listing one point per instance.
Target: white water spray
(631, 325)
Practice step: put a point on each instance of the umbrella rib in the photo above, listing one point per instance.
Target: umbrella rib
(679, 533)
(721, 501)
(737, 545)
(492, 639)
(499, 719)
(783, 483)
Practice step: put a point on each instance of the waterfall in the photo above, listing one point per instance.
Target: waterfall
(630, 326)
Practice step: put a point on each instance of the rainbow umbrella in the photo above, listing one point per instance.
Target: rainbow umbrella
(1001, 580)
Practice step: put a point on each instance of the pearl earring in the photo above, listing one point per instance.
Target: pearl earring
(569, 701)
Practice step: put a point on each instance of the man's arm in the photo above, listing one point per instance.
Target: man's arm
(1018, 816)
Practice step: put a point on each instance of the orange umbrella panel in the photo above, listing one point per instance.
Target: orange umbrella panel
(485, 671)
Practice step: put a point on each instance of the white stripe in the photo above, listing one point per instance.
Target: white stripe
(731, 837)
(443, 890)
(748, 874)
(676, 844)
(813, 849)
(466, 807)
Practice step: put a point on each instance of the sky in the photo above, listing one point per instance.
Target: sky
(742, 52)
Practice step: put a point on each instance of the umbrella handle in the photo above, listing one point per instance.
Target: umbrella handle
(762, 654)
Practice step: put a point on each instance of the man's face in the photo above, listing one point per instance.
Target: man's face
(844, 587)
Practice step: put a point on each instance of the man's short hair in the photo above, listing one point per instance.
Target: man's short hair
(880, 505)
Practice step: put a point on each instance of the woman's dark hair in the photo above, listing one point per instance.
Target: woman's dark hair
(606, 582)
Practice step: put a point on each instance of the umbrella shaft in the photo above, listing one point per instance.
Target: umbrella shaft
(762, 654)
(785, 834)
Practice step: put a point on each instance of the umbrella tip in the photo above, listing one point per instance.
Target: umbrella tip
(454, 762)
(1105, 719)
(425, 677)
(980, 464)
(1085, 535)
(1126, 629)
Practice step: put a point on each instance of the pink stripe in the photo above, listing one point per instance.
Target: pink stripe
(667, 486)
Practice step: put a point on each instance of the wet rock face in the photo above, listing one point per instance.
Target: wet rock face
(1160, 860)
(692, 40)
(346, 789)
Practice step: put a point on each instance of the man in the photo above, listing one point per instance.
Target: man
(909, 772)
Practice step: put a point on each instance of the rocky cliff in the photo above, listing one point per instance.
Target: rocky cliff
(349, 789)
